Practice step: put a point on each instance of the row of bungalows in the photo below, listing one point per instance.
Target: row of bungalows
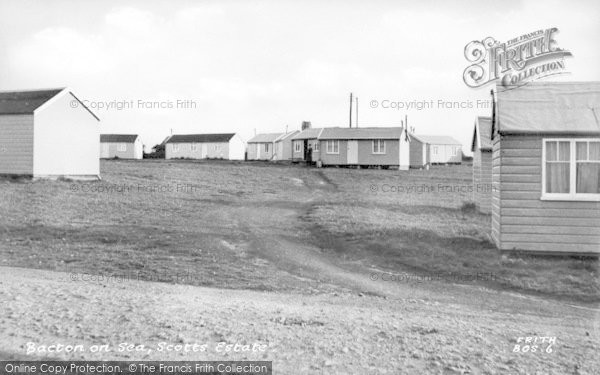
(546, 168)
(227, 146)
(48, 133)
(121, 146)
(271, 146)
(426, 150)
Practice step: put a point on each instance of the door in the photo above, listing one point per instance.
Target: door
(352, 152)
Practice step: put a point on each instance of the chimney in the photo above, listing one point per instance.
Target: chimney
(306, 125)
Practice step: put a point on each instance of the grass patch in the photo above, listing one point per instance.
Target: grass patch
(451, 243)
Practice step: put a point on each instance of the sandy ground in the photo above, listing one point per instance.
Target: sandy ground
(336, 333)
(333, 317)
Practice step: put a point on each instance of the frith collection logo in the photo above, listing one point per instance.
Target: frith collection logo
(520, 60)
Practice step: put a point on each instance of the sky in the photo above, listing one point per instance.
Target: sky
(159, 67)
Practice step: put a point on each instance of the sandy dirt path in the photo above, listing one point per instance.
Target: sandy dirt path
(338, 333)
(351, 324)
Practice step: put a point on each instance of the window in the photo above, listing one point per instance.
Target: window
(316, 148)
(333, 147)
(571, 169)
(379, 146)
(266, 147)
(435, 150)
(297, 146)
(122, 147)
(194, 147)
(454, 150)
(175, 147)
(217, 147)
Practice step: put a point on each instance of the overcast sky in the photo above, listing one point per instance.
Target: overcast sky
(266, 65)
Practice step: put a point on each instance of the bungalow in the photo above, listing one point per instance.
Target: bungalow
(205, 146)
(262, 146)
(434, 149)
(304, 143)
(481, 146)
(387, 147)
(546, 168)
(283, 146)
(122, 146)
(48, 133)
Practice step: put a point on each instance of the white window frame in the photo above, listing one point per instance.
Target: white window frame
(121, 147)
(380, 143)
(266, 148)
(194, 147)
(217, 147)
(175, 147)
(316, 147)
(334, 143)
(454, 150)
(434, 150)
(297, 147)
(572, 195)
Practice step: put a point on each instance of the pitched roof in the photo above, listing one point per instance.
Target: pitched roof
(549, 107)
(24, 102)
(361, 133)
(483, 133)
(200, 138)
(265, 138)
(118, 138)
(285, 136)
(310, 133)
(436, 139)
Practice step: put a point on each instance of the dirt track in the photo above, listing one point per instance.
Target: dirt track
(352, 323)
(341, 333)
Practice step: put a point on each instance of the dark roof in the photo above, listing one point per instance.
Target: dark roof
(482, 133)
(118, 138)
(200, 138)
(549, 107)
(24, 102)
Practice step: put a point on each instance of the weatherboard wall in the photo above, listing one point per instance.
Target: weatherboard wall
(256, 151)
(444, 154)
(520, 219)
(482, 178)
(299, 155)
(417, 153)
(16, 144)
(232, 150)
(109, 150)
(365, 153)
(204, 150)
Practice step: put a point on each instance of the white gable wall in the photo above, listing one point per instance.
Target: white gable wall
(138, 149)
(65, 139)
(237, 148)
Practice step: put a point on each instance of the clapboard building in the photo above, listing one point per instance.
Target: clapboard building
(205, 146)
(546, 168)
(481, 146)
(48, 133)
(122, 146)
